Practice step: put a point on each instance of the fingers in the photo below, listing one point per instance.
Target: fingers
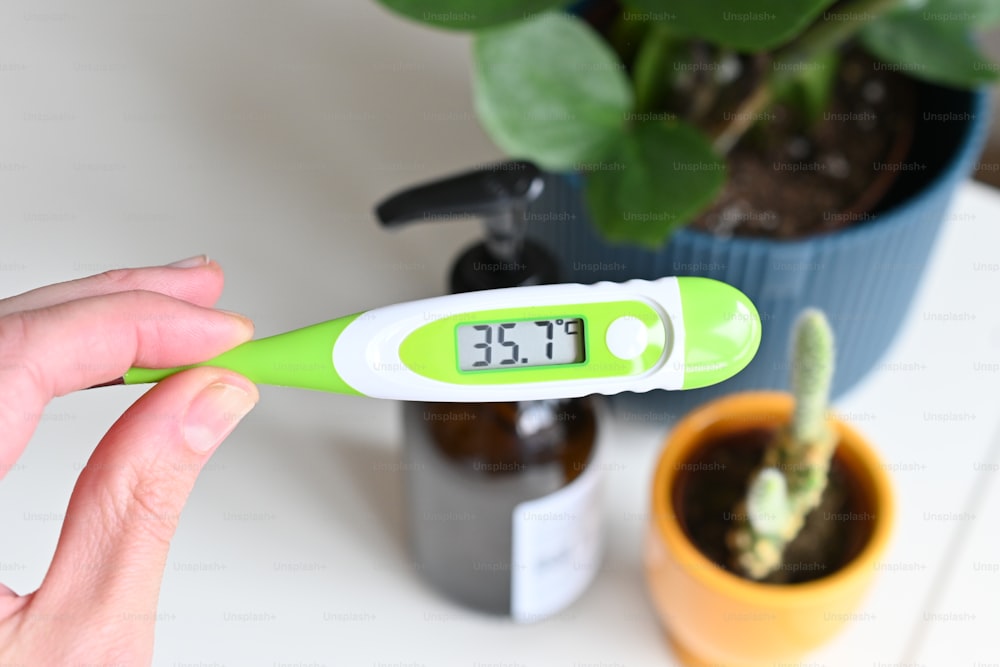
(123, 512)
(62, 348)
(197, 280)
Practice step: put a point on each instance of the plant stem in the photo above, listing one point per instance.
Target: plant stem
(824, 35)
(649, 70)
(744, 117)
(827, 34)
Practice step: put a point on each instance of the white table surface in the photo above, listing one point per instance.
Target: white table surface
(262, 134)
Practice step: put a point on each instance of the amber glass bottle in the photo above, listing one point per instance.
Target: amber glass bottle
(503, 499)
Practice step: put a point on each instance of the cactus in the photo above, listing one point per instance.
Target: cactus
(793, 475)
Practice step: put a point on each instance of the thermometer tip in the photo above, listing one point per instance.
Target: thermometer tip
(722, 331)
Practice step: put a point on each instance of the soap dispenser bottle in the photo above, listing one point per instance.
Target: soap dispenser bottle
(503, 499)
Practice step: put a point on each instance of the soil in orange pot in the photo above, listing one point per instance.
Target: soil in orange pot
(715, 479)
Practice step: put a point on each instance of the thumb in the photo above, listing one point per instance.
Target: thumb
(127, 501)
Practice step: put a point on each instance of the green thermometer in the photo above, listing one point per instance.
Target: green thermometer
(523, 343)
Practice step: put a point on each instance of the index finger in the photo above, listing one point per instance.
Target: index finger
(198, 280)
(52, 351)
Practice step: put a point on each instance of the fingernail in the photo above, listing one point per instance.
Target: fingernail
(190, 262)
(214, 413)
(247, 322)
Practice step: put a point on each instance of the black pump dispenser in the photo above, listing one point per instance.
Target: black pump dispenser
(502, 498)
(499, 195)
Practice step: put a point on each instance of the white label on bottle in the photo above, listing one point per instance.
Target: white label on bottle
(556, 547)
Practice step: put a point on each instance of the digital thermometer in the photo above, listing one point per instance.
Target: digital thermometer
(522, 343)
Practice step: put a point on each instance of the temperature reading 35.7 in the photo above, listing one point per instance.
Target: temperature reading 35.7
(521, 344)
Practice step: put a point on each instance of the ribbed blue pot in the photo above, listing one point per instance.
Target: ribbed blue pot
(863, 277)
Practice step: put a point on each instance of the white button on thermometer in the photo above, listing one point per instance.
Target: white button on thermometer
(523, 343)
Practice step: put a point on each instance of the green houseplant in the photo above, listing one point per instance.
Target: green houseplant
(659, 120)
(628, 110)
(768, 517)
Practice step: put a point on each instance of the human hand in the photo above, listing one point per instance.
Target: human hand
(126, 503)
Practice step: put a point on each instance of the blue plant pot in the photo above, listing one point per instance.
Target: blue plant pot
(863, 277)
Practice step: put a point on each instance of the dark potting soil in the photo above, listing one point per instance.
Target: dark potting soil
(715, 480)
(786, 181)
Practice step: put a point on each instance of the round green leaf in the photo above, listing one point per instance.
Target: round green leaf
(550, 90)
(660, 177)
(465, 15)
(936, 51)
(744, 25)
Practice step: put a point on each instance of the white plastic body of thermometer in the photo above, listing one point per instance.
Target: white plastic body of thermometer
(523, 343)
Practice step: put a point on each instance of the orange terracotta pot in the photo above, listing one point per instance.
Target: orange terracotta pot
(716, 618)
